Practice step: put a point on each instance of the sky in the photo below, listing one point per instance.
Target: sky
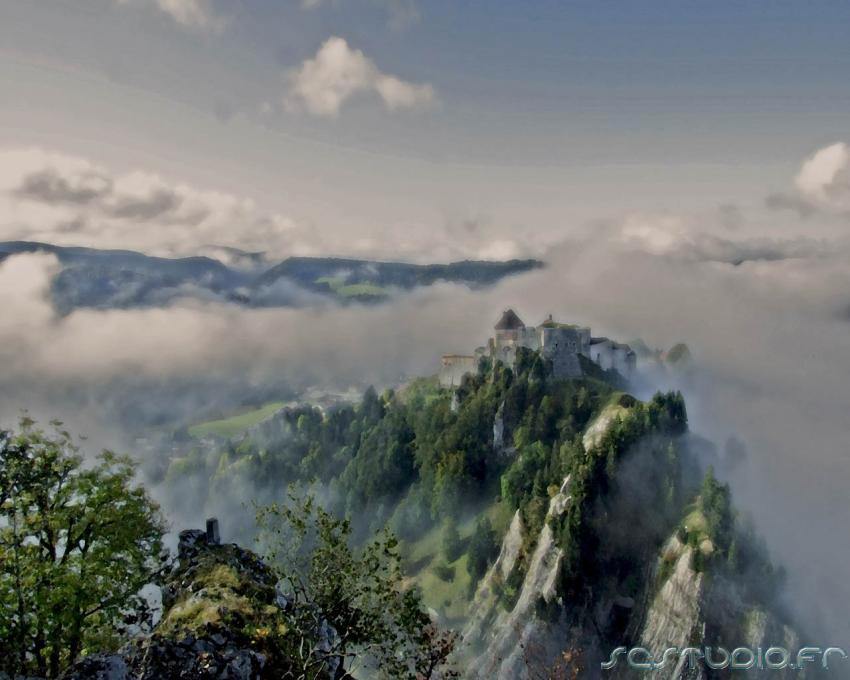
(526, 120)
(683, 169)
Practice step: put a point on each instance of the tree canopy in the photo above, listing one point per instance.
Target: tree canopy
(78, 540)
(378, 621)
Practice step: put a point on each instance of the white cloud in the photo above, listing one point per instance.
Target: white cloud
(683, 239)
(399, 94)
(824, 178)
(653, 234)
(191, 13)
(337, 72)
(197, 15)
(501, 249)
(41, 351)
(68, 200)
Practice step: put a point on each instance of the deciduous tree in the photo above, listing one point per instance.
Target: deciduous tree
(77, 543)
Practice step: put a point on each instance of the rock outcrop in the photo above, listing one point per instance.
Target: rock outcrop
(504, 637)
(506, 642)
(597, 429)
(673, 618)
(223, 619)
(694, 609)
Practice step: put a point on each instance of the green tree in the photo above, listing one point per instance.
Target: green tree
(378, 623)
(449, 482)
(384, 466)
(371, 408)
(77, 543)
(717, 508)
(483, 547)
(452, 543)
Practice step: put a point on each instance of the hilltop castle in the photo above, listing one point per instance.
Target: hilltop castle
(562, 344)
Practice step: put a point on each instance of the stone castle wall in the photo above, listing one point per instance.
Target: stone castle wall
(562, 346)
(612, 355)
(454, 367)
(560, 343)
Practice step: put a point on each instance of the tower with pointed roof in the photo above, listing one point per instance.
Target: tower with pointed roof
(510, 321)
(511, 333)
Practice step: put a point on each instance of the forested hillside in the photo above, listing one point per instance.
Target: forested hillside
(581, 484)
(121, 279)
(418, 455)
(548, 521)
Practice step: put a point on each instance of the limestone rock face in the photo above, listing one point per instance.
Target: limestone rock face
(510, 635)
(597, 429)
(691, 610)
(504, 564)
(673, 619)
(680, 607)
(499, 429)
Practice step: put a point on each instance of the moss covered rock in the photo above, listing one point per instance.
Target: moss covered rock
(223, 618)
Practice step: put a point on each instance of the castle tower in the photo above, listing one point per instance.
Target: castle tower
(510, 321)
(511, 333)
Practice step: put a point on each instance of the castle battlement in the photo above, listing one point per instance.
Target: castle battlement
(561, 343)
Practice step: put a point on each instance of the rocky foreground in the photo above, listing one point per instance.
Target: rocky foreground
(223, 618)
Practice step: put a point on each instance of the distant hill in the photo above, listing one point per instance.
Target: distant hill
(122, 278)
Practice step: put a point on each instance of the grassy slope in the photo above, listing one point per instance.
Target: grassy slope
(333, 281)
(449, 598)
(361, 289)
(229, 427)
(364, 288)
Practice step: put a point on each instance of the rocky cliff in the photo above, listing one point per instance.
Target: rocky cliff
(514, 642)
(510, 634)
(678, 594)
(695, 608)
(680, 607)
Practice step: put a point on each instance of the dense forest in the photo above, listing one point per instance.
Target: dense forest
(419, 455)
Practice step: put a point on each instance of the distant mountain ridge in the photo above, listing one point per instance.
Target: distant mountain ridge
(107, 279)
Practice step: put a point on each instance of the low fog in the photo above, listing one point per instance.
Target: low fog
(760, 294)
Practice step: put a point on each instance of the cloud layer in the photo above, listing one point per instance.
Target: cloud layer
(322, 84)
(680, 238)
(68, 200)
